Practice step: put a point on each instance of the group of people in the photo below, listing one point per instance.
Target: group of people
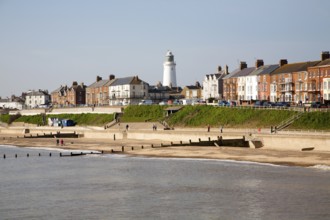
(154, 127)
(209, 128)
(59, 141)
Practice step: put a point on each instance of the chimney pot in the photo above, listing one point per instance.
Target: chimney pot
(283, 62)
(219, 69)
(259, 63)
(111, 77)
(243, 65)
(98, 78)
(325, 55)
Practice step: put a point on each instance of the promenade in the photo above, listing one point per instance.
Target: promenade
(141, 140)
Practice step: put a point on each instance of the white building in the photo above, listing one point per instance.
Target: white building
(326, 89)
(169, 75)
(38, 98)
(252, 90)
(241, 87)
(10, 103)
(213, 84)
(127, 91)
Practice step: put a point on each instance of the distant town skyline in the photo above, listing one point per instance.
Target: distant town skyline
(45, 44)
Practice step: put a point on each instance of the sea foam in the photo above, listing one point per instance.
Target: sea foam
(321, 167)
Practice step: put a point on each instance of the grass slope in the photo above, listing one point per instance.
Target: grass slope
(141, 113)
(198, 116)
(313, 121)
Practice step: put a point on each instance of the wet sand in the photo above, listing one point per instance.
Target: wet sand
(134, 148)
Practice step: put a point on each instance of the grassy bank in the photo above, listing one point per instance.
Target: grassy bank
(196, 116)
(143, 113)
(313, 121)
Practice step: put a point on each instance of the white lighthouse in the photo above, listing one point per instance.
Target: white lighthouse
(169, 77)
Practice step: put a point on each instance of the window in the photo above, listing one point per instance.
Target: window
(325, 85)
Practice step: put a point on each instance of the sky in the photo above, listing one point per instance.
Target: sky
(45, 44)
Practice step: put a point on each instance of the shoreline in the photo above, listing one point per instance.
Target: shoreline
(134, 148)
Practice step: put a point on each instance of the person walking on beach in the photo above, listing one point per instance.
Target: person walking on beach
(57, 142)
(127, 127)
(208, 128)
(62, 142)
(221, 128)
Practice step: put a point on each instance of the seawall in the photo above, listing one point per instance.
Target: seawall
(295, 142)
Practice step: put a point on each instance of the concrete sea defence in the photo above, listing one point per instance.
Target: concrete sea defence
(143, 131)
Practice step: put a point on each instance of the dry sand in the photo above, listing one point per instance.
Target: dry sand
(294, 158)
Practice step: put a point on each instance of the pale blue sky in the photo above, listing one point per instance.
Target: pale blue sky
(44, 44)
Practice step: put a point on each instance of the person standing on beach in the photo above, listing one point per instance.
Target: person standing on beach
(208, 128)
(127, 127)
(62, 142)
(221, 128)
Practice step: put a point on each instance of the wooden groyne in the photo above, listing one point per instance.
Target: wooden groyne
(50, 154)
(219, 142)
(53, 135)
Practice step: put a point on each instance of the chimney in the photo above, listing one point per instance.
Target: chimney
(219, 69)
(325, 55)
(111, 77)
(197, 84)
(243, 65)
(226, 70)
(82, 85)
(259, 63)
(283, 62)
(74, 83)
(98, 78)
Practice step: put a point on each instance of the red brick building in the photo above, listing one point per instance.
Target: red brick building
(98, 92)
(69, 96)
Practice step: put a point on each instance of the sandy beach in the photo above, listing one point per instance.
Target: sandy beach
(143, 148)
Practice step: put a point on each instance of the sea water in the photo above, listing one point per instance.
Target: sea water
(121, 187)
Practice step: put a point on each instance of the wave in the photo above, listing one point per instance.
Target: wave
(8, 146)
(209, 160)
(321, 167)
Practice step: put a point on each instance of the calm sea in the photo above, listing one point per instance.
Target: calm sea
(120, 187)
